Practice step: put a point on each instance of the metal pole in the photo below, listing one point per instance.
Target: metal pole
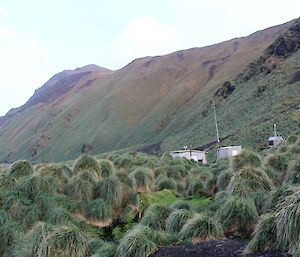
(218, 138)
(275, 131)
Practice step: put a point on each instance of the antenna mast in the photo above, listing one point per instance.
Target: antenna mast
(216, 123)
(275, 131)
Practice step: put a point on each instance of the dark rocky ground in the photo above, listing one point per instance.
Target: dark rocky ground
(214, 248)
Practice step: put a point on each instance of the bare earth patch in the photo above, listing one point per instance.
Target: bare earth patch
(214, 248)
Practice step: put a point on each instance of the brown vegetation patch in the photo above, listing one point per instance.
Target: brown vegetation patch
(96, 223)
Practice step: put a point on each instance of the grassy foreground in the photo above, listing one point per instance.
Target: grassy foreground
(130, 205)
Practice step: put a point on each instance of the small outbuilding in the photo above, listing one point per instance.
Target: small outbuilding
(275, 140)
(198, 156)
(229, 151)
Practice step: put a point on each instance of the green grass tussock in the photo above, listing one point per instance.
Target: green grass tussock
(238, 216)
(20, 169)
(276, 167)
(181, 205)
(177, 219)
(264, 235)
(224, 180)
(246, 158)
(293, 173)
(166, 183)
(156, 216)
(288, 223)
(110, 190)
(98, 211)
(249, 179)
(86, 162)
(107, 168)
(201, 227)
(141, 241)
(143, 179)
(66, 240)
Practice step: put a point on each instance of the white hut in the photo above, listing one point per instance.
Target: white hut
(198, 156)
(229, 151)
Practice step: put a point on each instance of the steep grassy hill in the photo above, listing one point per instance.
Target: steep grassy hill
(164, 102)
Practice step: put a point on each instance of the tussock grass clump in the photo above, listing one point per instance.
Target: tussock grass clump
(106, 250)
(200, 228)
(260, 199)
(64, 240)
(264, 235)
(124, 178)
(32, 185)
(219, 199)
(110, 190)
(20, 169)
(141, 241)
(132, 198)
(54, 170)
(88, 175)
(276, 167)
(57, 216)
(99, 212)
(238, 216)
(7, 182)
(288, 223)
(277, 196)
(249, 179)
(211, 185)
(155, 216)
(292, 139)
(4, 217)
(86, 162)
(177, 219)
(181, 205)
(143, 179)
(124, 161)
(80, 190)
(220, 166)
(246, 158)
(107, 168)
(293, 173)
(166, 183)
(224, 180)
(195, 187)
(8, 235)
(176, 171)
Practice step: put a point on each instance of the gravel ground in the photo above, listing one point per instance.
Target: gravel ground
(213, 248)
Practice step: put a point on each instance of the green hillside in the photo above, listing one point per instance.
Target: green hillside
(164, 102)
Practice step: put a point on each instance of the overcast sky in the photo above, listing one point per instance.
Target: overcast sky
(39, 38)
